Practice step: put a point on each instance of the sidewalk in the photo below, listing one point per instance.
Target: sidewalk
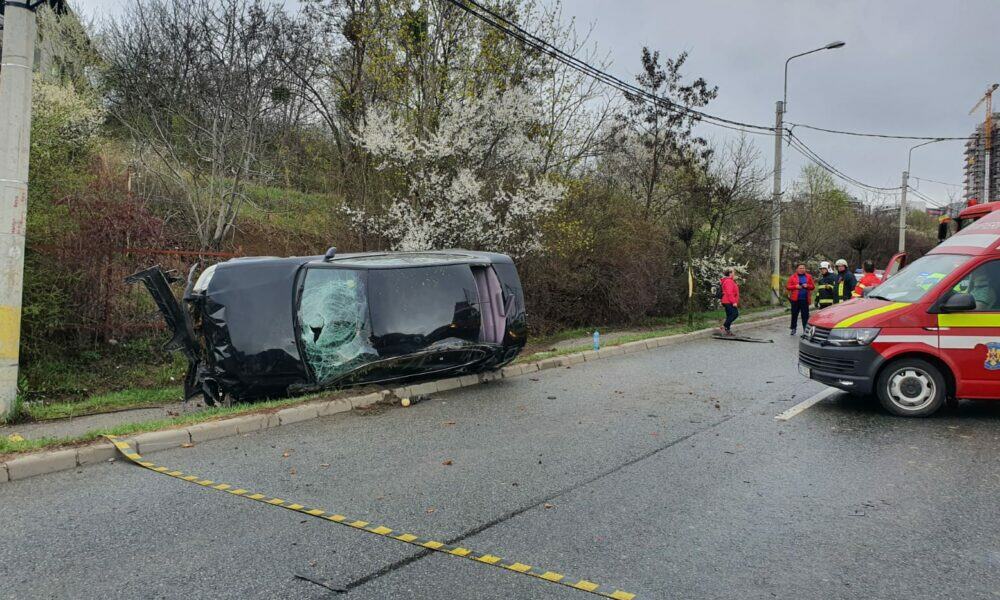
(77, 426)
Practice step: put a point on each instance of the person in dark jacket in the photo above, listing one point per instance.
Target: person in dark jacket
(825, 286)
(730, 299)
(800, 286)
(846, 282)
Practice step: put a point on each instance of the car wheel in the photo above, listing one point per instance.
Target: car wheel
(911, 387)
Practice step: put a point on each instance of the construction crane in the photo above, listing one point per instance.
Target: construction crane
(987, 133)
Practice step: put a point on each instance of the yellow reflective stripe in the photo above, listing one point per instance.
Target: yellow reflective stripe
(969, 320)
(871, 313)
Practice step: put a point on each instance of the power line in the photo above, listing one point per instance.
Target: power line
(515, 31)
(501, 23)
(800, 146)
(934, 203)
(880, 135)
(958, 185)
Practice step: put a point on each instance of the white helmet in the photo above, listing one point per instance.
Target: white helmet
(824, 265)
(841, 262)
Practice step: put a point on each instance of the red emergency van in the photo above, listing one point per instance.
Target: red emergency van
(931, 331)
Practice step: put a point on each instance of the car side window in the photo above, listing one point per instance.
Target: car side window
(984, 285)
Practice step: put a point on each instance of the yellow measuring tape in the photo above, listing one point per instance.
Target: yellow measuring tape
(409, 538)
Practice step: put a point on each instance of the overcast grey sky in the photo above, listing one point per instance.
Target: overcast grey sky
(910, 67)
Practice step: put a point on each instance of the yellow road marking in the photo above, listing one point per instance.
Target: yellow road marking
(489, 559)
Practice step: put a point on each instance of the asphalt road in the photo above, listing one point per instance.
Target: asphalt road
(661, 473)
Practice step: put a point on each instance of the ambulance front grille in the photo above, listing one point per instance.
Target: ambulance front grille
(818, 335)
(827, 364)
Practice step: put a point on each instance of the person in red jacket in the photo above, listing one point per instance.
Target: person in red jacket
(800, 286)
(868, 280)
(730, 299)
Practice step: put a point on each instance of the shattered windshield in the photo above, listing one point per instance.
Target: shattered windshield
(333, 322)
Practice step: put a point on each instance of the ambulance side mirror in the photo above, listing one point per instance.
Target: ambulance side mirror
(959, 303)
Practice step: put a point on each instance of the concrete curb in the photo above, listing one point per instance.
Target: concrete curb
(52, 461)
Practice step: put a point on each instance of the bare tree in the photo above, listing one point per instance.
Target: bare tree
(657, 137)
(194, 82)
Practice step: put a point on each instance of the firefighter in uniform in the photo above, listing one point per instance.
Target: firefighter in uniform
(868, 280)
(845, 282)
(826, 286)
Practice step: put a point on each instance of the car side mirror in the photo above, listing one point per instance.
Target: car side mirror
(959, 303)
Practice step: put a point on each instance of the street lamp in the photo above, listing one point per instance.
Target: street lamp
(776, 198)
(902, 196)
(830, 46)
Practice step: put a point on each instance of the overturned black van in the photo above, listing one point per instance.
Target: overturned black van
(268, 327)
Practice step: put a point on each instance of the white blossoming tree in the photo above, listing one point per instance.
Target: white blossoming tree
(472, 182)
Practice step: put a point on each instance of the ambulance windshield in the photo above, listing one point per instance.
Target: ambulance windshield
(913, 282)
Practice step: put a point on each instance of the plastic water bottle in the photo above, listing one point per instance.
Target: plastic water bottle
(597, 340)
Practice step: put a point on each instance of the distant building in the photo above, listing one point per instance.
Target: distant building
(975, 157)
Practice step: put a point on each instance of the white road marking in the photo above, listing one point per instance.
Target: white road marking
(801, 406)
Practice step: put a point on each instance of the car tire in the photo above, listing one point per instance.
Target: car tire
(911, 387)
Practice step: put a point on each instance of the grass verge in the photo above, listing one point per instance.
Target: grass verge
(103, 403)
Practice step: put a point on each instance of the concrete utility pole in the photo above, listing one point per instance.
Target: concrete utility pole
(902, 195)
(779, 117)
(16, 62)
(902, 212)
(779, 111)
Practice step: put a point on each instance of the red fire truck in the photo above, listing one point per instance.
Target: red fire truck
(930, 332)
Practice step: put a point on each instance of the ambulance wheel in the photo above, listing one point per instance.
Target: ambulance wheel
(911, 387)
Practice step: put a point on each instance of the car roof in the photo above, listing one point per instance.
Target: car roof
(981, 237)
(372, 260)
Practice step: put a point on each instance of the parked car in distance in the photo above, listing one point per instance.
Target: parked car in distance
(268, 327)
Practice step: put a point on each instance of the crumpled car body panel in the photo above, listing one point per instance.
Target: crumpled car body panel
(269, 327)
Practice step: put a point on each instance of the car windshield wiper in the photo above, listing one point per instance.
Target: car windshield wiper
(877, 297)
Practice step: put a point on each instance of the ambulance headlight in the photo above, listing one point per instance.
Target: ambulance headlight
(852, 336)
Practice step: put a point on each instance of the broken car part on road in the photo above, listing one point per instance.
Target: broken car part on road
(583, 585)
(265, 326)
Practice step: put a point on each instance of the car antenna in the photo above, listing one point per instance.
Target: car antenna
(330, 253)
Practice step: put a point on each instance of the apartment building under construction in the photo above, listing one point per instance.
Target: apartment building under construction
(975, 163)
